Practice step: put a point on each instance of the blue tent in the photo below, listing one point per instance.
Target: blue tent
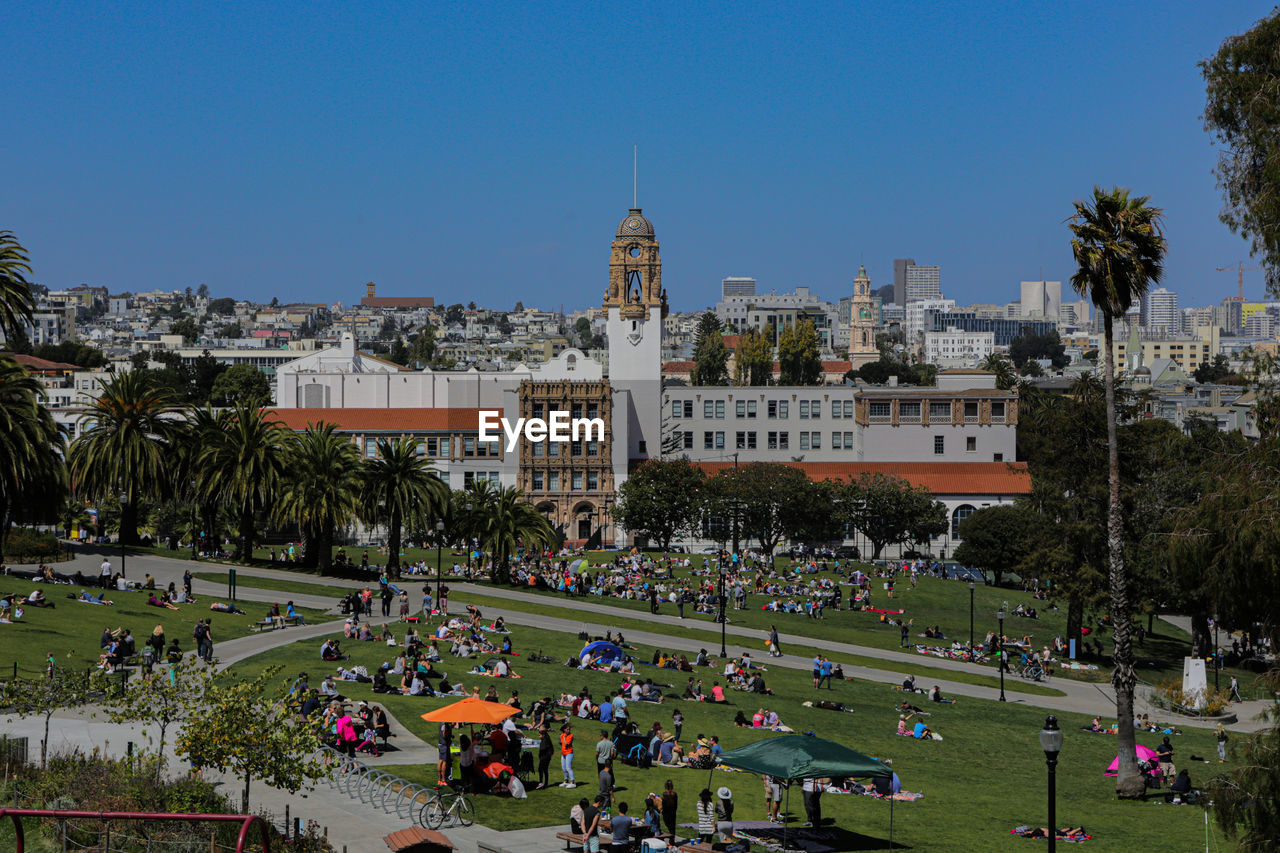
(601, 650)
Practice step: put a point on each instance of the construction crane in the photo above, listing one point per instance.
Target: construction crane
(1239, 269)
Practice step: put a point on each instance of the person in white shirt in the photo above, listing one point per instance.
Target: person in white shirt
(104, 573)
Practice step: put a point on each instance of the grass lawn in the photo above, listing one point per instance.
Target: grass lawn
(71, 629)
(984, 778)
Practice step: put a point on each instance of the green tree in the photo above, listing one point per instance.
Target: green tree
(203, 291)
(423, 349)
(225, 306)
(16, 302)
(72, 351)
(454, 313)
(162, 696)
(240, 465)
(661, 500)
(229, 330)
(319, 490)
(508, 522)
(185, 327)
(126, 436)
(1242, 112)
(890, 511)
(1031, 346)
(399, 488)
(18, 342)
(241, 385)
(997, 538)
(999, 364)
(32, 448)
(767, 502)
(43, 697)
(398, 353)
(1119, 249)
(1213, 371)
(710, 356)
(798, 359)
(1243, 799)
(246, 727)
(754, 363)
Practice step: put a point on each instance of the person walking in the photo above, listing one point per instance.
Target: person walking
(677, 723)
(1221, 734)
(387, 597)
(604, 749)
(813, 801)
(706, 816)
(104, 573)
(775, 650)
(905, 641)
(566, 755)
(1235, 690)
(444, 601)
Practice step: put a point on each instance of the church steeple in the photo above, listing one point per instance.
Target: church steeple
(862, 325)
(635, 269)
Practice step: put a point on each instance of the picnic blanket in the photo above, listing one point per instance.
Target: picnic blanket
(1062, 834)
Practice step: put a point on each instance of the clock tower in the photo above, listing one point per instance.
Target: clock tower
(635, 305)
(862, 325)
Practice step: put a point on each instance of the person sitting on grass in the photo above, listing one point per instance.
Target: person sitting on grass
(936, 695)
(157, 602)
(921, 731)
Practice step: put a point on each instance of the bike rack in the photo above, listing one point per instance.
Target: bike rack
(364, 782)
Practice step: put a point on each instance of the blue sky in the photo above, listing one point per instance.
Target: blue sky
(483, 151)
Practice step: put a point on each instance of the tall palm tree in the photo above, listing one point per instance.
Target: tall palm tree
(319, 489)
(126, 440)
(397, 488)
(32, 448)
(999, 364)
(16, 304)
(1119, 249)
(240, 465)
(507, 522)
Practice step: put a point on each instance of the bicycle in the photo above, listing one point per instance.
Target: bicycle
(453, 804)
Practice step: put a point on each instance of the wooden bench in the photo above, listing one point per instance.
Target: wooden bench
(269, 624)
(572, 840)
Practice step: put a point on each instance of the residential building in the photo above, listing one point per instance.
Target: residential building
(737, 286)
(1160, 313)
(957, 348)
(924, 282)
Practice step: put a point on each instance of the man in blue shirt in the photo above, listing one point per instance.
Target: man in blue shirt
(619, 707)
(621, 827)
(826, 673)
(606, 710)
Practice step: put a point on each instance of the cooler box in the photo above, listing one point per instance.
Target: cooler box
(653, 845)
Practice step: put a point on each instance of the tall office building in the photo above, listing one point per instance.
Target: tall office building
(1041, 299)
(924, 282)
(737, 286)
(1160, 312)
(900, 279)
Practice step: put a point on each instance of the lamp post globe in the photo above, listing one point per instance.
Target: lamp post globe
(1051, 743)
(1000, 651)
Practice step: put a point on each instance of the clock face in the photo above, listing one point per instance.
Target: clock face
(633, 224)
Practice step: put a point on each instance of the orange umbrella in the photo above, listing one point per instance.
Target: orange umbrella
(471, 710)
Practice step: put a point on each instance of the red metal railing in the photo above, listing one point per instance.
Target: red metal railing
(246, 821)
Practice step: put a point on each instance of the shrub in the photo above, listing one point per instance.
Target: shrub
(24, 542)
(1168, 695)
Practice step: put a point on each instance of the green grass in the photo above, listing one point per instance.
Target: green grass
(984, 778)
(71, 629)
(277, 585)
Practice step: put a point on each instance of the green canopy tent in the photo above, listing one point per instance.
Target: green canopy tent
(797, 757)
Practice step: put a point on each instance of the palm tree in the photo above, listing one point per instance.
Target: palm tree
(398, 487)
(240, 465)
(16, 305)
(1119, 248)
(507, 522)
(999, 364)
(32, 448)
(125, 444)
(319, 489)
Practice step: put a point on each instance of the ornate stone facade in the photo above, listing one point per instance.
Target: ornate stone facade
(635, 269)
(862, 326)
(571, 483)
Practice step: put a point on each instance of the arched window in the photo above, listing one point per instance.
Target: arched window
(958, 515)
(571, 362)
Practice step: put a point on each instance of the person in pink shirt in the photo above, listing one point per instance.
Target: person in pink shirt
(346, 733)
(717, 693)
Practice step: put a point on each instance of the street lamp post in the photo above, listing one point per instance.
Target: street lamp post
(971, 618)
(1051, 743)
(439, 542)
(124, 504)
(1000, 651)
(1217, 652)
(467, 529)
(723, 651)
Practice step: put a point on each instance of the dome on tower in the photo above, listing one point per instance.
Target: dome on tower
(635, 225)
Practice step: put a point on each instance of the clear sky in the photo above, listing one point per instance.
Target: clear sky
(484, 151)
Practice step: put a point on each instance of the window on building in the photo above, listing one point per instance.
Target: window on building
(837, 441)
(751, 440)
(538, 449)
(751, 408)
(553, 448)
(773, 408)
(848, 441)
(971, 443)
(540, 410)
(577, 481)
(421, 449)
(836, 411)
(880, 411)
(688, 440)
(575, 448)
(708, 409)
(784, 441)
(370, 447)
(997, 412)
(999, 457)
(539, 481)
(971, 411)
(719, 409)
(553, 481)
(771, 441)
(676, 408)
(593, 410)
(815, 409)
(804, 440)
(783, 408)
(939, 411)
(741, 439)
(444, 476)
(708, 440)
(939, 445)
(468, 447)
(847, 405)
(640, 445)
(593, 448)
(804, 410)
(593, 480)
(958, 515)
(815, 441)
(719, 441)
(909, 411)
(468, 478)
(575, 411)
(740, 408)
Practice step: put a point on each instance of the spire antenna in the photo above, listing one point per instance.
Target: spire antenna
(635, 175)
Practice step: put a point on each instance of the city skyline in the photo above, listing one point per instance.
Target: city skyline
(164, 149)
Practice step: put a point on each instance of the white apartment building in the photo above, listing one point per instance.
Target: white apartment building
(958, 348)
(924, 282)
(916, 317)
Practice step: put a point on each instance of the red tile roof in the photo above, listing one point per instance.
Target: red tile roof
(380, 420)
(677, 366)
(940, 478)
(30, 362)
